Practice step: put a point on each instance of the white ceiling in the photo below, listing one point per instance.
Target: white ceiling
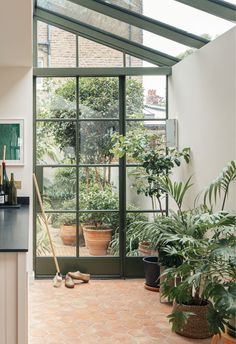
(15, 33)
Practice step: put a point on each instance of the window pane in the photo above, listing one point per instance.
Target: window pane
(98, 188)
(146, 97)
(62, 228)
(99, 97)
(56, 98)
(56, 47)
(96, 141)
(92, 54)
(59, 188)
(56, 142)
(99, 233)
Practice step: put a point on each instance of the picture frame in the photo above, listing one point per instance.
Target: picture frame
(12, 136)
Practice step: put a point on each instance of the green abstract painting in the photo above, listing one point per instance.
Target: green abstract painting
(11, 137)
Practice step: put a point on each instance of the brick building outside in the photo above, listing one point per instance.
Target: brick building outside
(58, 48)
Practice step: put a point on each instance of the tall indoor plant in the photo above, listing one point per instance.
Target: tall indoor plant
(205, 242)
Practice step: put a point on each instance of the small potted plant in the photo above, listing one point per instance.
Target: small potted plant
(67, 222)
(68, 228)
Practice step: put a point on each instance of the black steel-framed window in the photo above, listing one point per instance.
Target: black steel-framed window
(118, 265)
(123, 122)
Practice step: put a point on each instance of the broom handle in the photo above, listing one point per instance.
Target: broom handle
(46, 222)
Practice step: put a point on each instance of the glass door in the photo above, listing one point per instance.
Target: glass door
(91, 196)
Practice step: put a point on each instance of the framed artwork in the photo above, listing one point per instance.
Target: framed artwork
(12, 136)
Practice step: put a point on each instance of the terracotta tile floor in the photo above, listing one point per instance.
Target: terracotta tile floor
(102, 311)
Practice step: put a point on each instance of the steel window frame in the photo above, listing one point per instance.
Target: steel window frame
(93, 72)
(109, 263)
(122, 211)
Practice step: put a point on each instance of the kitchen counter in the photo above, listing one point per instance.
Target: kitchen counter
(14, 228)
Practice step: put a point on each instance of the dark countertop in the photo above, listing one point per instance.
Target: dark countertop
(14, 229)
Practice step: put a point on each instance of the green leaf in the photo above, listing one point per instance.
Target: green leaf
(179, 319)
(221, 184)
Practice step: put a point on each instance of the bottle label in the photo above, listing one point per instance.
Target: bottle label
(2, 199)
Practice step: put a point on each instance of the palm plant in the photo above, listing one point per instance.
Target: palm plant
(220, 186)
(201, 246)
(208, 268)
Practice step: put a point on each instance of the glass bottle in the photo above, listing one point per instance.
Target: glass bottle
(12, 197)
(2, 194)
(5, 181)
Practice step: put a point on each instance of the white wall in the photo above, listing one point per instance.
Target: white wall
(15, 32)
(202, 96)
(16, 84)
(16, 102)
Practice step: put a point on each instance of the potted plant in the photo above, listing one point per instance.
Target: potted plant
(68, 228)
(205, 272)
(203, 244)
(132, 246)
(66, 221)
(98, 224)
(156, 161)
(155, 232)
(205, 296)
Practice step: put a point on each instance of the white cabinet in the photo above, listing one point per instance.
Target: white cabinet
(13, 298)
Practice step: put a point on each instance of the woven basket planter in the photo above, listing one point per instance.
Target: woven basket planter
(197, 325)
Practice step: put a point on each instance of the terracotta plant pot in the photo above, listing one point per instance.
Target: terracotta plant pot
(197, 325)
(68, 234)
(84, 226)
(145, 250)
(97, 240)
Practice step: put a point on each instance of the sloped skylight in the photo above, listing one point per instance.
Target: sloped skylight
(114, 26)
(179, 15)
(198, 26)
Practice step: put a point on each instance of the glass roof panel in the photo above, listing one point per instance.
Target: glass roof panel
(230, 1)
(124, 30)
(179, 15)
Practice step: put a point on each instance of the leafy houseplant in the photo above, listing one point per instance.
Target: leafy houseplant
(149, 150)
(131, 245)
(67, 228)
(156, 159)
(99, 225)
(208, 268)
